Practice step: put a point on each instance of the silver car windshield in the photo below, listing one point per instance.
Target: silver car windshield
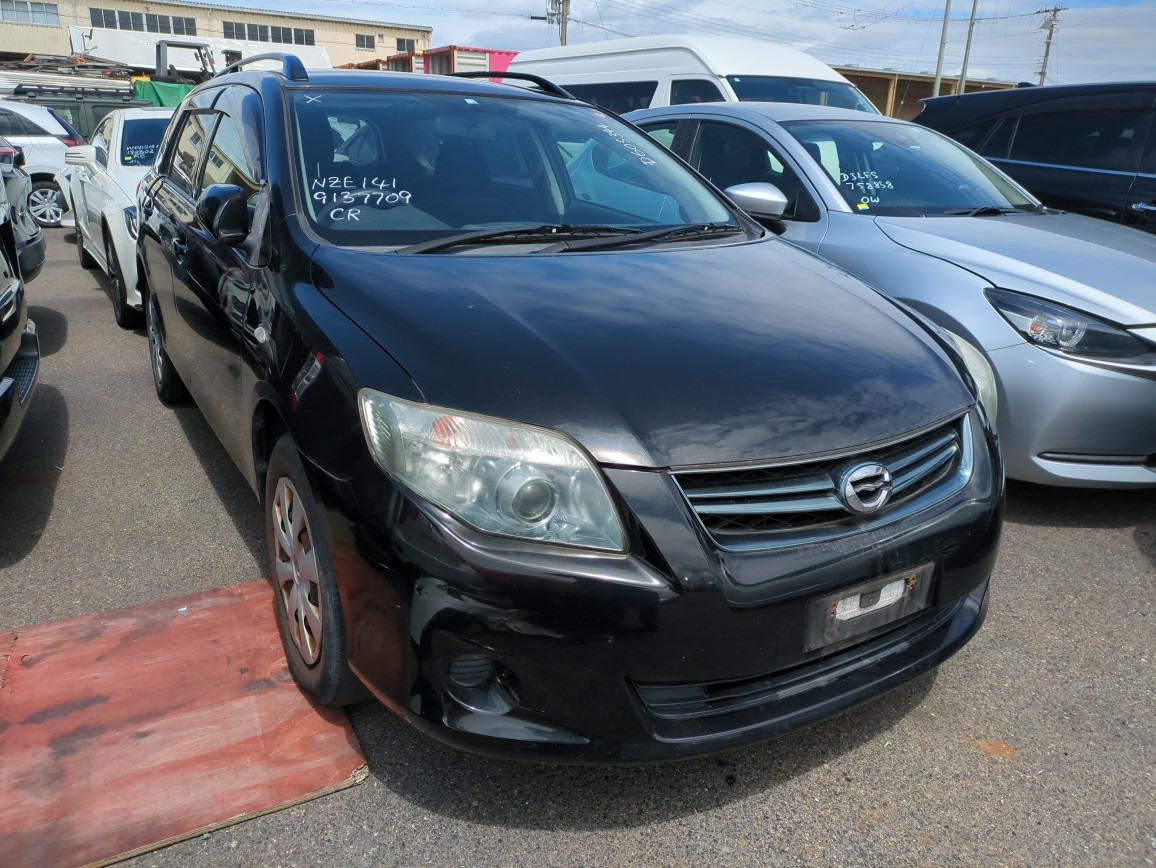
(906, 170)
(382, 168)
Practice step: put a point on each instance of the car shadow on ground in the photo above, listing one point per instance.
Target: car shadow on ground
(532, 796)
(51, 329)
(1049, 506)
(30, 472)
(234, 493)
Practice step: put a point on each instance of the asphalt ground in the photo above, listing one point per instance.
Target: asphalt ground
(1035, 745)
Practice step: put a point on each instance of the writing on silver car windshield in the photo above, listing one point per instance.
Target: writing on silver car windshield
(898, 170)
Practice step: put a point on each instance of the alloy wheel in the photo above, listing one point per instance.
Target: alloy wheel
(46, 206)
(298, 578)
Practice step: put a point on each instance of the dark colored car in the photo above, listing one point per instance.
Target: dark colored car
(30, 242)
(561, 454)
(1088, 148)
(19, 345)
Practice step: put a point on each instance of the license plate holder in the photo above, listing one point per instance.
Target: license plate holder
(851, 612)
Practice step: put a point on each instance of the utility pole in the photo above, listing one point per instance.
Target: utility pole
(557, 12)
(942, 48)
(1050, 26)
(962, 86)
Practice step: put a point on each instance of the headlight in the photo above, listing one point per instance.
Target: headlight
(1063, 329)
(501, 477)
(130, 221)
(981, 374)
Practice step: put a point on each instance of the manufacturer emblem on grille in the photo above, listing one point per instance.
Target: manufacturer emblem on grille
(865, 487)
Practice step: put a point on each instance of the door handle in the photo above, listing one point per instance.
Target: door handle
(180, 249)
(1143, 206)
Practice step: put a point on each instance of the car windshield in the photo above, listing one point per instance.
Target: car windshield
(906, 170)
(810, 91)
(140, 139)
(383, 168)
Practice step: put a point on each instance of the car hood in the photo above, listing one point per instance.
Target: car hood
(668, 357)
(1090, 264)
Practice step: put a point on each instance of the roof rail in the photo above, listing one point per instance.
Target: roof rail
(544, 83)
(292, 68)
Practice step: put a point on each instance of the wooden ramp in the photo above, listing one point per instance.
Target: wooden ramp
(124, 731)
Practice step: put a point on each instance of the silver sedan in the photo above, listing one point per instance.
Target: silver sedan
(1062, 306)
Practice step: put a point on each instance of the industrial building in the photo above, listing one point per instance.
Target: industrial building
(127, 30)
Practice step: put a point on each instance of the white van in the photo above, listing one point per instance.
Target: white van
(643, 71)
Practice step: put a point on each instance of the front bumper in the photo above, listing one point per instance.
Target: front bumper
(587, 649)
(17, 383)
(1064, 422)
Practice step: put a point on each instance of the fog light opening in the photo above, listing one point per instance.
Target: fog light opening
(481, 684)
(472, 670)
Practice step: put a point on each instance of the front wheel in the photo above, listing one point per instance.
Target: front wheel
(308, 605)
(127, 317)
(168, 383)
(46, 204)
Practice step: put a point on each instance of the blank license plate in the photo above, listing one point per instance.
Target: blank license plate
(850, 612)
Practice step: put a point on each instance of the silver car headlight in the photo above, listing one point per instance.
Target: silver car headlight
(497, 476)
(1063, 329)
(981, 374)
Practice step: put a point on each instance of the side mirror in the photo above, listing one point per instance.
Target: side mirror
(759, 199)
(80, 155)
(222, 209)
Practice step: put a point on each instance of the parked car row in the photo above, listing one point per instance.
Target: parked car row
(19, 344)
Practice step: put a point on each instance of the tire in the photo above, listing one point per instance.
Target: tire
(309, 615)
(168, 383)
(86, 260)
(126, 316)
(46, 204)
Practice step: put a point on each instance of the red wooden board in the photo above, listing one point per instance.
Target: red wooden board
(124, 731)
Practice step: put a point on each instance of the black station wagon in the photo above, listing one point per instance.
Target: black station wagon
(561, 455)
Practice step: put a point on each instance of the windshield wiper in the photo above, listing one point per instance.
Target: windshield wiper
(521, 235)
(658, 236)
(981, 211)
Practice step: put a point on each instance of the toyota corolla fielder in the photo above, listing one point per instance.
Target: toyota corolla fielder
(525, 478)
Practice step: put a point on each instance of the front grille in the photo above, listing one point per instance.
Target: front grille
(789, 504)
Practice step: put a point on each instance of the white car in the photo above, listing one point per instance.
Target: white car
(102, 188)
(43, 135)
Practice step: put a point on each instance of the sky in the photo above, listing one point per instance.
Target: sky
(1094, 40)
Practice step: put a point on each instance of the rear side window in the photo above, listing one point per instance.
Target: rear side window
(1092, 139)
(619, 97)
(694, 90)
(69, 129)
(13, 124)
(972, 135)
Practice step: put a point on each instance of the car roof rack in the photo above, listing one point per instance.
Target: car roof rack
(71, 90)
(292, 67)
(544, 84)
